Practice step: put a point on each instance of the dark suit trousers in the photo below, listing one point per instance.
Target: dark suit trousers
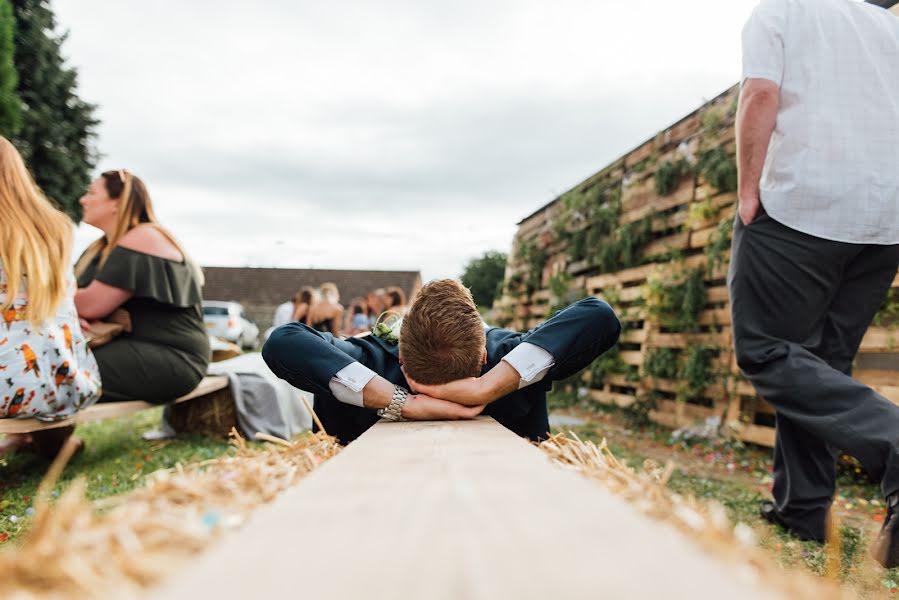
(800, 306)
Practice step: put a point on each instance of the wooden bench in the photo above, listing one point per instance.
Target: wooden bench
(109, 410)
(454, 510)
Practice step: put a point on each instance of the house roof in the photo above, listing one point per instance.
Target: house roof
(269, 286)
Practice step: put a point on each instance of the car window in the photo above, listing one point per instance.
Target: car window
(215, 311)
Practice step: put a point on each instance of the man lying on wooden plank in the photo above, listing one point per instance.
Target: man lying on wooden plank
(455, 367)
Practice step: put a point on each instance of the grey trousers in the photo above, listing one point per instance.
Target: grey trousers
(800, 306)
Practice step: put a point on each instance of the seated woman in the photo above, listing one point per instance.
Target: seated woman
(396, 300)
(138, 266)
(303, 302)
(46, 368)
(327, 315)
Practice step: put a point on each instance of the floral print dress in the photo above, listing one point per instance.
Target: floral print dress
(46, 372)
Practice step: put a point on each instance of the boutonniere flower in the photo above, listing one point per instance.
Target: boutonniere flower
(388, 326)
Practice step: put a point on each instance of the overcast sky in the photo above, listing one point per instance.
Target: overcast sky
(382, 135)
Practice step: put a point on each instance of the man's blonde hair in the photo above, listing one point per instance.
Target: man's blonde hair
(36, 240)
(442, 337)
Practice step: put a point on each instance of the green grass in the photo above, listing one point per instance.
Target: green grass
(699, 475)
(115, 460)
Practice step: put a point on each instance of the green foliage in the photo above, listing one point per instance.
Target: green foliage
(668, 176)
(115, 460)
(646, 163)
(712, 119)
(563, 292)
(610, 363)
(888, 315)
(621, 248)
(663, 363)
(483, 276)
(719, 244)
(696, 373)
(637, 415)
(677, 304)
(535, 258)
(56, 138)
(700, 212)
(719, 168)
(10, 103)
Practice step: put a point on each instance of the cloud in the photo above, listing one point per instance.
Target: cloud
(297, 133)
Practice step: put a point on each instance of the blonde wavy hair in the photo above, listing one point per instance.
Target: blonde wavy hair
(136, 209)
(37, 240)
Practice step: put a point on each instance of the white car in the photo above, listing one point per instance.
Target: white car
(227, 320)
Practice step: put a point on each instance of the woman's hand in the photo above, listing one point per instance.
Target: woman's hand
(421, 407)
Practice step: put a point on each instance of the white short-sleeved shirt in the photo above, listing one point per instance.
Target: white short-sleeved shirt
(832, 168)
(283, 314)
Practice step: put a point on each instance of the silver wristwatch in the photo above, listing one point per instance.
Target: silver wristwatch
(394, 410)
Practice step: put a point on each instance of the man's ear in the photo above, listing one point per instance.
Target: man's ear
(484, 357)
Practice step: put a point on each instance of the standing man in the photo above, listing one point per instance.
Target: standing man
(816, 243)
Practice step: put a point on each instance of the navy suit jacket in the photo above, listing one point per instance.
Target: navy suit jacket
(308, 359)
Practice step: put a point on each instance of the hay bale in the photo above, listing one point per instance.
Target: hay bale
(213, 415)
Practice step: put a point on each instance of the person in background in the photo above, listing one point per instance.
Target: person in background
(47, 370)
(296, 309)
(376, 302)
(139, 267)
(327, 315)
(396, 300)
(816, 245)
(303, 302)
(358, 319)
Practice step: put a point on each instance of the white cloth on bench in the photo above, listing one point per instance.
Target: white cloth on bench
(264, 403)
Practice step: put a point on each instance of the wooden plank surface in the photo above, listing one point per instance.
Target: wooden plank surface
(108, 410)
(457, 510)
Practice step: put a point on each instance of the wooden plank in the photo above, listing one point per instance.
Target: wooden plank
(454, 510)
(108, 410)
(632, 358)
(872, 377)
(681, 197)
(620, 277)
(757, 434)
(611, 398)
(685, 340)
(880, 339)
(717, 295)
(678, 241)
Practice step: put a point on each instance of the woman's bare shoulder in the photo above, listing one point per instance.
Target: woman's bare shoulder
(149, 240)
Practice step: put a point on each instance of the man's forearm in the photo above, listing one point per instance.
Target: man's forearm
(377, 393)
(756, 117)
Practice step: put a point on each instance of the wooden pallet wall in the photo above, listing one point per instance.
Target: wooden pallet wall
(680, 239)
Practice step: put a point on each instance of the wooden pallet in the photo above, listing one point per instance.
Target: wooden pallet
(675, 229)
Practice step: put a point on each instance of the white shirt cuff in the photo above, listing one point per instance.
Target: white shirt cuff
(347, 384)
(532, 363)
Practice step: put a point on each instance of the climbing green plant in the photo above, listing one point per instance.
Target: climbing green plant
(676, 304)
(621, 248)
(888, 315)
(563, 291)
(719, 244)
(669, 174)
(696, 372)
(611, 363)
(535, 258)
(663, 363)
(719, 168)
